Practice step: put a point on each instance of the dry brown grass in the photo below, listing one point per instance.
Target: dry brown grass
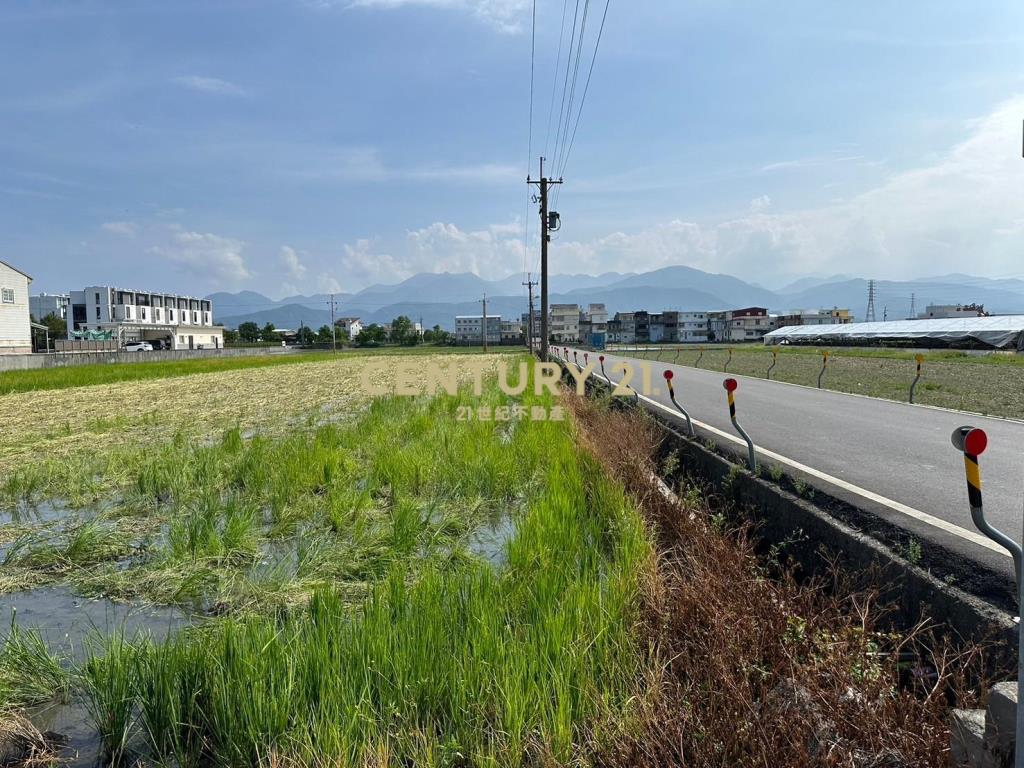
(757, 670)
(61, 423)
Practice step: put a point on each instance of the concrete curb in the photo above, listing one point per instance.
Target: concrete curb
(814, 539)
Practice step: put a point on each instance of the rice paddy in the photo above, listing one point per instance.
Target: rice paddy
(368, 580)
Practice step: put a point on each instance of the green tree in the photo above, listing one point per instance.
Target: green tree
(58, 326)
(372, 336)
(438, 335)
(249, 332)
(403, 332)
(323, 336)
(305, 335)
(269, 334)
(230, 336)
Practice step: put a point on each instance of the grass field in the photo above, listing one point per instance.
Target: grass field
(91, 375)
(988, 384)
(373, 581)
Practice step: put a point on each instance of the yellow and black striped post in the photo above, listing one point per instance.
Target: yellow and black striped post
(730, 388)
(729, 360)
(600, 359)
(675, 360)
(824, 365)
(672, 396)
(697, 361)
(920, 359)
(973, 443)
(775, 360)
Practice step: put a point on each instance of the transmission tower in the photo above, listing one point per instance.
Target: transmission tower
(913, 307)
(869, 316)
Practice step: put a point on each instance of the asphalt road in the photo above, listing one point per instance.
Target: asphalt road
(894, 459)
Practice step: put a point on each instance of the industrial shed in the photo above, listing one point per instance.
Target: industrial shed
(1001, 332)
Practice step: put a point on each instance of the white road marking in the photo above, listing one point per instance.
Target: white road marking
(924, 517)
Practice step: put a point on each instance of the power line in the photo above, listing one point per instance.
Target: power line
(586, 89)
(554, 84)
(560, 151)
(529, 153)
(565, 85)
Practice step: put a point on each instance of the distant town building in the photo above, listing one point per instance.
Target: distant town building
(350, 325)
(15, 325)
(564, 322)
(179, 322)
(833, 316)
(949, 311)
(469, 330)
(622, 328)
(739, 325)
(750, 324)
(593, 325)
(46, 304)
(512, 332)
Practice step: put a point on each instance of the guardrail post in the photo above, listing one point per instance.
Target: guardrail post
(973, 442)
(601, 360)
(672, 397)
(729, 360)
(920, 359)
(730, 387)
(824, 365)
(675, 360)
(775, 360)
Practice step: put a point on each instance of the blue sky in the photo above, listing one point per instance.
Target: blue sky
(312, 145)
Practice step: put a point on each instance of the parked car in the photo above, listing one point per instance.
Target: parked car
(138, 346)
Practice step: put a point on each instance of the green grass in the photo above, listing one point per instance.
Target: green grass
(91, 375)
(29, 672)
(456, 664)
(990, 384)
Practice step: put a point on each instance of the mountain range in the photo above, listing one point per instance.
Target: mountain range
(436, 298)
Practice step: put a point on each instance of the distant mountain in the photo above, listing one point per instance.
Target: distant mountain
(438, 298)
(289, 316)
(727, 290)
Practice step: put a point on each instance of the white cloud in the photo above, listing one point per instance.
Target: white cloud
(293, 265)
(217, 259)
(364, 164)
(961, 213)
(122, 228)
(504, 15)
(210, 85)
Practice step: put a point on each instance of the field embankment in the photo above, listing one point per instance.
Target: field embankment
(990, 384)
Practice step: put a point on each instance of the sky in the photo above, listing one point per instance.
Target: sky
(307, 146)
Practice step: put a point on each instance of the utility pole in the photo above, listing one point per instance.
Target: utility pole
(913, 307)
(545, 238)
(529, 318)
(483, 324)
(869, 316)
(334, 331)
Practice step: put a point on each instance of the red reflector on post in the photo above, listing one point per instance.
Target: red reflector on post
(668, 375)
(601, 358)
(730, 385)
(976, 442)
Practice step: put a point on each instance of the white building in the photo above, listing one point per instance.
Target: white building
(469, 330)
(949, 311)
(15, 326)
(351, 325)
(692, 327)
(512, 332)
(46, 304)
(564, 323)
(180, 322)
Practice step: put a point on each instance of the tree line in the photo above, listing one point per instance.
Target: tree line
(402, 332)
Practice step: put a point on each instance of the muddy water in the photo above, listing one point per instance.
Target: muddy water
(66, 622)
(488, 541)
